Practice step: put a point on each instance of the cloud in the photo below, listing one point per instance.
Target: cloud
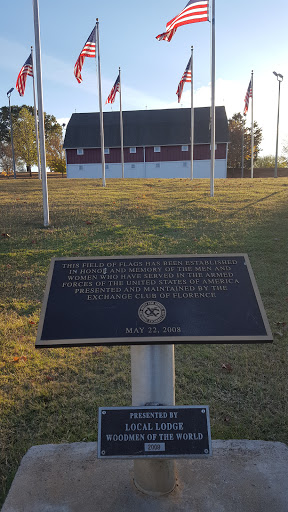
(231, 93)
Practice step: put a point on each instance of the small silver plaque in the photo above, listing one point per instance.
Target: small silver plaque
(154, 447)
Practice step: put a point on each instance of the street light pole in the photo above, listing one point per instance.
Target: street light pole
(11, 130)
(280, 79)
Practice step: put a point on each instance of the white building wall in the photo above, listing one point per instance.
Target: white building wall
(201, 169)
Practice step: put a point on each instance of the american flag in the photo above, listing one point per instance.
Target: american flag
(194, 12)
(247, 96)
(114, 90)
(89, 50)
(26, 70)
(185, 78)
(166, 36)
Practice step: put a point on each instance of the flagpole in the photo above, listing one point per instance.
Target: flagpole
(100, 107)
(41, 113)
(35, 116)
(121, 124)
(252, 127)
(212, 120)
(192, 115)
(242, 149)
(11, 132)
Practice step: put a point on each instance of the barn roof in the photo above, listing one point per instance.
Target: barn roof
(145, 128)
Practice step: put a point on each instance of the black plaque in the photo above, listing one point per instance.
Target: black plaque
(152, 300)
(154, 432)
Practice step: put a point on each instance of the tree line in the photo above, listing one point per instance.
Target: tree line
(240, 135)
(25, 147)
(24, 139)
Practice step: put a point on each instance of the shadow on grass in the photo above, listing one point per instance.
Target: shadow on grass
(256, 202)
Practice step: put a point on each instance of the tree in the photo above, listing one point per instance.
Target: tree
(285, 152)
(258, 137)
(269, 161)
(25, 139)
(6, 159)
(51, 125)
(237, 127)
(50, 122)
(5, 120)
(55, 153)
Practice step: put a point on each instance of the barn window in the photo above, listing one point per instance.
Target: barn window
(157, 165)
(157, 149)
(80, 167)
(107, 166)
(184, 148)
(106, 151)
(132, 150)
(80, 151)
(132, 166)
(184, 164)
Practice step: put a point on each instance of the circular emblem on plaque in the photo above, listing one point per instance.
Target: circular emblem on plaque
(152, 312)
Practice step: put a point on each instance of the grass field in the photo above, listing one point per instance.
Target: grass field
(53, 395)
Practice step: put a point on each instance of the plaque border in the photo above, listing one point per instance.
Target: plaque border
(152, 340)
(158, 455)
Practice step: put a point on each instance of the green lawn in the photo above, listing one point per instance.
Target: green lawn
(53, 395)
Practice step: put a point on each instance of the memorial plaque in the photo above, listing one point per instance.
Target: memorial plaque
(152, 300)
(154, 432)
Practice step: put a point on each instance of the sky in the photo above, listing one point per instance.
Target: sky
(250, 35)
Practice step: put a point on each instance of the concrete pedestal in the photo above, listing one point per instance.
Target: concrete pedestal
(242, 476)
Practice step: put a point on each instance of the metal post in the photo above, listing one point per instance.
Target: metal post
(121, 125)
(153, 382)
(192, 116)
(41, 113)
(36, 117)
(11, 130)
(144, 160)
(242, 151)
(277, 133)
(212, 117)
(252, 128)
(100, 107)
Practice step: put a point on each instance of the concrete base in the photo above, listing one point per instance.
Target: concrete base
(242, 476)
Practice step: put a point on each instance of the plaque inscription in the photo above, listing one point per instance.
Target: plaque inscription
(154, 432)
(152, 299)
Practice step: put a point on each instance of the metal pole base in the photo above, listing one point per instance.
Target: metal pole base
(154, 477)
(153, 382)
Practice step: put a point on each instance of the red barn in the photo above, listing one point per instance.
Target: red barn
(156, 144)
